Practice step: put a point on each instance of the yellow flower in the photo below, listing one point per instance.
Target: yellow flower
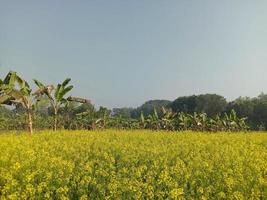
(176, 193)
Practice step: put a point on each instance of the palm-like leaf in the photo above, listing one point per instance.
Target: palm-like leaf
(66, 82)
(57, 91)
(63, 91)
(6, 100)
(10, 78)
(39, 83)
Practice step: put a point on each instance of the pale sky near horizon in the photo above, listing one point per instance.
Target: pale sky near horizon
(123, 53)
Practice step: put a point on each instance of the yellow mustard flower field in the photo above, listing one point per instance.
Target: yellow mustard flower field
(112, 164)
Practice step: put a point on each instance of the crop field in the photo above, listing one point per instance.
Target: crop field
(112, 164)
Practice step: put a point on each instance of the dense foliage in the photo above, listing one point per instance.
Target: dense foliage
(254, 109)
(48, 107)
(133, 165)
(85, 116)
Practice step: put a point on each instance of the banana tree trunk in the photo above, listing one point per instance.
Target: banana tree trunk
(29, 115)
(55, 121)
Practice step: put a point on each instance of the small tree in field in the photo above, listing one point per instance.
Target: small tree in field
(16, 91)
(57, 97)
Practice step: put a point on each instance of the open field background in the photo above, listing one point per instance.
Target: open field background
(114, 164)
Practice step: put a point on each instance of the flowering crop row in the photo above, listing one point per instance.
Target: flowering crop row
(113, 164)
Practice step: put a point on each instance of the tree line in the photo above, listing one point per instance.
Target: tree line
(214, 105)
(50, 107)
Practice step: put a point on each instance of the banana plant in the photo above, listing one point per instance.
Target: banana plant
(56, 96)
(242, 124)
(103, 115)
(153, 121)
(184, 120)
(195, 122)
(168, 119)
(87, 120)
(236, 123)
(118, 122)
(16, 91)
(4, 98)
(143, 123)
(134, 124)
(203, 121)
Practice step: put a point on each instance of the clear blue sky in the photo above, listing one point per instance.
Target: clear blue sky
(122, 53)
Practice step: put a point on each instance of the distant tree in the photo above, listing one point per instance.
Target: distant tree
(103, 115)
(244, 106)
(260, 111)
(66, 114)
(185, 104)
(148, 108)
(42, 106)
(5, 116)
(123, 112)
(254, 109)
(85, 107)
(211, 104)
